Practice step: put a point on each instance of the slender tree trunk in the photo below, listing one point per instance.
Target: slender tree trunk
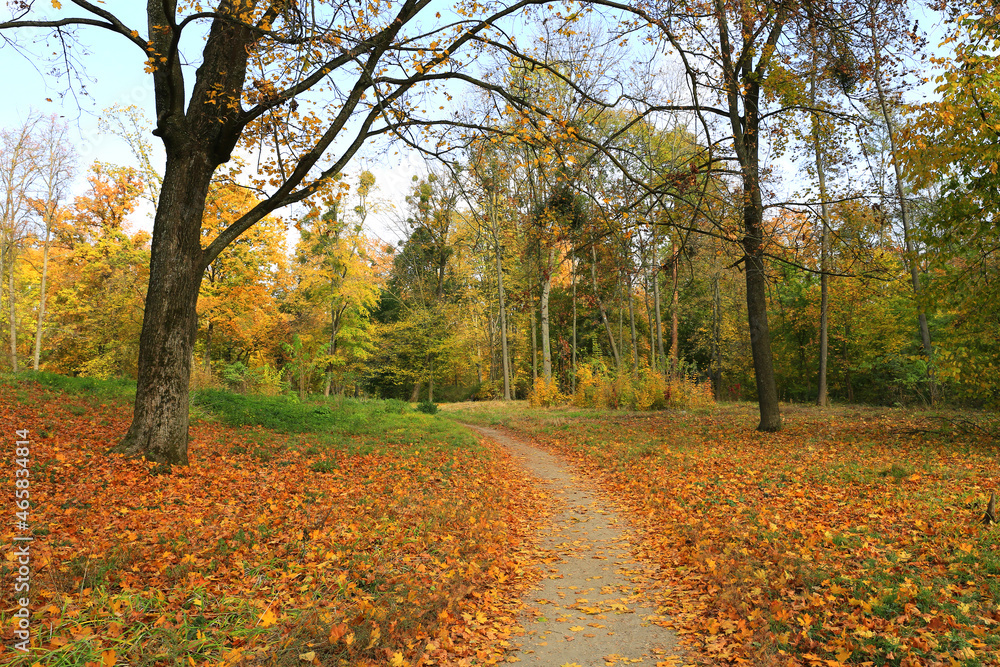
(911, 256)
(659, 316)
(334, 326)
(716, 337)
(544, 308)
(41, 294)
(159, 429)
(208, 346)
(600, 306)
(573, 352)
(631, 321)
(824, 279)
(675, 348)
(415, 394)
(847, 363)
(503, 328)
(12, 304)
(3, 264)
(649, 316)
(430, 381)
(534, 349)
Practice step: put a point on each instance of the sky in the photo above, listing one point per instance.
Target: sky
(114, 74)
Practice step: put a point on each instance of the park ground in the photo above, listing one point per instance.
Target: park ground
(343, 532)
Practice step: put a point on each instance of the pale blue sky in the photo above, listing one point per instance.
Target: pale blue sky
(114, 69)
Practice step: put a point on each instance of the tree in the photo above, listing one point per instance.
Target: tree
(55, 172)
(306, 87)
(338, 281)
(489, 173)
(739, 58)
(952, 148)
(877, 18)
(97, 297)
(19, 170)
(237, 305)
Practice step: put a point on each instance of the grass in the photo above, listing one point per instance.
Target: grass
(367, 426)
(851, 537)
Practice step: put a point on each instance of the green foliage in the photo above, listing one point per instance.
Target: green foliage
(427, 407)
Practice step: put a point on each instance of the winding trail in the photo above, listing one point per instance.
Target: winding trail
(589, 608)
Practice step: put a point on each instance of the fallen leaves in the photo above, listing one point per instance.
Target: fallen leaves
(251, 555)
(845, 539)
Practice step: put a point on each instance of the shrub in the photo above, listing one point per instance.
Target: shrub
(599, 387)
(427, 407)
(685, 391)
(589, 392)
(545, 394)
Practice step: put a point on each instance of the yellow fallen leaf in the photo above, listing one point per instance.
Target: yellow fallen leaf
(397, 659)
(267, 619)
(308, 657)
(576, 628)
(108, 657)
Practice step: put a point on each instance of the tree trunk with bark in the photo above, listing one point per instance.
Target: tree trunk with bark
(675, 346)
(631, 321)
(12, 305)
(41, 293)
(600, 306)
(659, 316)
(159, 429)
(756, 278)
(503, 327)
(534, 349)
(824, 279)
(544, 311)
(573, 351)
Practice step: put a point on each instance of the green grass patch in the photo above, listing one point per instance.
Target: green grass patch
(357, 426)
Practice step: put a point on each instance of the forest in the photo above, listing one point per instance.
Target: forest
(564, 248)
(701, 294)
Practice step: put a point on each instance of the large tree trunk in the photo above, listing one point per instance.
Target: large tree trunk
(747, 131)
(159, 429)
(197, 138)
(760, 334)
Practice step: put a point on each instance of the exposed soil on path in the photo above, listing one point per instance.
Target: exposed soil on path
(591, 606)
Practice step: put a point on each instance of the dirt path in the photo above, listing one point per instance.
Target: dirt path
(589, 608)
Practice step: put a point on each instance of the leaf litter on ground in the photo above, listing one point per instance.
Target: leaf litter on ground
(408, 547)
(852, 537)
